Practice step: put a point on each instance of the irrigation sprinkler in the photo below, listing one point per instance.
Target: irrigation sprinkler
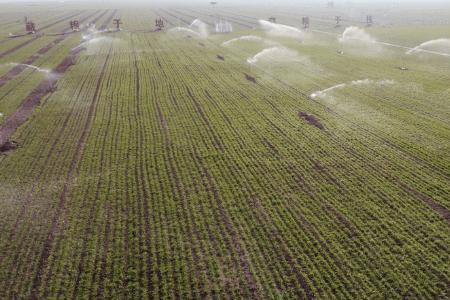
(159, 23)
(221, 26)
(30, 27)
(215, 14)
(117, 23)
(338, 21)
(305, 22)
(75, 25)
(224, 27)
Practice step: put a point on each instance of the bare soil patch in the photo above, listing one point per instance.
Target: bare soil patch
(250, 78)
(26, 109)
(311, 120)
(8, 147)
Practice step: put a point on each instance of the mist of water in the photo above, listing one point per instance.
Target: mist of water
(200, 27)
(197, 28)
(249, 38)
(324, 93)
(281, 30)
(184, 29)
(273, 54)
(32, 67)
(96, 41)
(93, 32)
(356, 34)
(438, 45)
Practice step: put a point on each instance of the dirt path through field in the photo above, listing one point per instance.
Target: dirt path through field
(30, 60)
(67, 186)
(26, 109)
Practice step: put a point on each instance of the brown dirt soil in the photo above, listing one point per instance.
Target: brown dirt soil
(26, 109)
(250, 78)
(56, 222)
(36, 36)
(312, 120)
(8, 146)
(30, 60)
(7, 52)
(438, 208)
(20, 68)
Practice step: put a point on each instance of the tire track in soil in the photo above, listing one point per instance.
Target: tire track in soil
(264, 218)
(64, 18)
(139, 170)
(51, 151)
(217, 140)
(88, 229)
(55, 226)
(138, 146)
(172, 168)
(215, 241)
(161, 186)
(30, 60)
(12, 89)
(126, 234)
(26, 109)
(179, 192)
(292, 261)
(212, 189)
(15, 48)
(438, 208)
(37, 36)
(276, 153)
(349, 226)
(158, 219)
(199, 110)
(411, 155)
(300, 219)
(107, 237)
(341, 219)
(327, 207)
(303, 222)
(37, 179)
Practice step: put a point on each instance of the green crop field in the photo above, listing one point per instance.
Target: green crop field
(270, 162)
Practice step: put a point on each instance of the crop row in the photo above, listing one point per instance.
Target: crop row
(182, 179)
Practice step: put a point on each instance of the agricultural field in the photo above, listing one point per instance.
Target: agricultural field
(272, 161)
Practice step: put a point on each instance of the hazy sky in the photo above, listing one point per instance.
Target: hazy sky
(248, 2)
(299, 2)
